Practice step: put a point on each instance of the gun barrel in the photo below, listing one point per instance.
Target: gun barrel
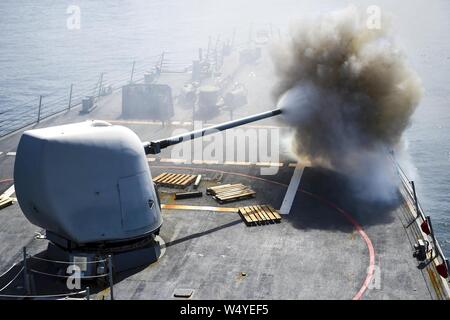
(155, 147)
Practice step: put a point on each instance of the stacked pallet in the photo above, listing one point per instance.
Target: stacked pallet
(230, 192)
(258, 215)
(175, 180)
(5, 202)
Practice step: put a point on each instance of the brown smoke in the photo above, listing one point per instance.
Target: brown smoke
(346, 90)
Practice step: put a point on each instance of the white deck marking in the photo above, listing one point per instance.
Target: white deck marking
(216, 162)
(173, 160)
(1, 153)
(198, 208)
(269, 164)
(292, 190)
(162, 245)
(237, 163)
(205, 161)
(9, 192)
(11, 154)
(134, 122)
(189, 123)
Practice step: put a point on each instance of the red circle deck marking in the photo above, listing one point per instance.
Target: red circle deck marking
(346, 215)
(363, 235)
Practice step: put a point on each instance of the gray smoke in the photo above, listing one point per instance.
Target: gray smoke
(348, 93)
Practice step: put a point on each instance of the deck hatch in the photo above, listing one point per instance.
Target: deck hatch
(136, 201)
(183, 293)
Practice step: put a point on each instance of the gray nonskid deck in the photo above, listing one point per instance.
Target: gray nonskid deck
(314, 253)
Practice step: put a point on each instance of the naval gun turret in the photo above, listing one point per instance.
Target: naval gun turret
(89, 186)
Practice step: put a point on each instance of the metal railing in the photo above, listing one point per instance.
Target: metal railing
(420, 218)
(42, 107)
(26, 270)
(26, 114)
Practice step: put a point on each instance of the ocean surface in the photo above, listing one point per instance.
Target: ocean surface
(41, 55)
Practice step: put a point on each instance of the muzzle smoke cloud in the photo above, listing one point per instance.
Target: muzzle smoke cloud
(348, 93)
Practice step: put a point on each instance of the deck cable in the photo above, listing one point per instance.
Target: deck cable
(15, 277)
(66, 262)
(62, 276)
(44, 296)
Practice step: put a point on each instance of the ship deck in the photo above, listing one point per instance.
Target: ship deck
(331, 245)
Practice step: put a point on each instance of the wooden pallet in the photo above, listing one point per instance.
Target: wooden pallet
(230, 192)
(259, 215)
(5, 202)
(175, 180)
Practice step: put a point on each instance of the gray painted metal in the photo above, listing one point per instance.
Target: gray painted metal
(147, 101)
(86, 182)
(155, 147)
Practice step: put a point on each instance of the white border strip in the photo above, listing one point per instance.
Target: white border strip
(292, 190)
(9, 192)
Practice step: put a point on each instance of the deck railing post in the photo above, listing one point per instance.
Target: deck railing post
(25, 271)
(70, 96)
(193, 116)
(111, 282)
(161, 63)
(415, 197)
(88, 293)
(39, 109)
(132, 72)
(428, 218)
(101, 83)
(448, 268)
